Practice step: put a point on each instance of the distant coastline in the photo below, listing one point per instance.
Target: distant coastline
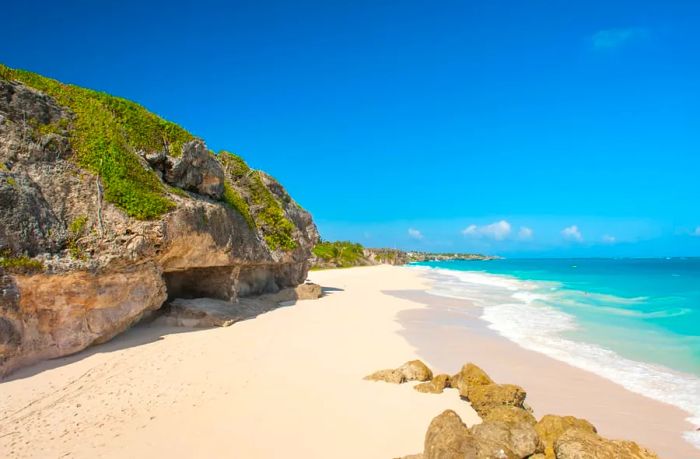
(346, 254)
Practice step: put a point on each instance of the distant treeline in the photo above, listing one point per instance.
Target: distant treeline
(344, 254)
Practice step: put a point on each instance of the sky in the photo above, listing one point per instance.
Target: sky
(538, 128)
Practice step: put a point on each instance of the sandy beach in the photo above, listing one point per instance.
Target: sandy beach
(289, 383)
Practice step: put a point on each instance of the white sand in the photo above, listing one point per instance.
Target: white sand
(289, 384)
(286, 384)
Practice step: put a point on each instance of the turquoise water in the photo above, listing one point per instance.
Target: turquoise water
(634, 321)
(641, 308)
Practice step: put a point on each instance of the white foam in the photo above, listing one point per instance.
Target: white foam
(514, 309)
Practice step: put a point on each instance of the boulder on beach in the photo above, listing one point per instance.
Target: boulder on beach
(447, 437)
(514, 437)
(390, 376)
(469, 375)
(551, 427)
(510, 415)
(414, 370)
(435, 385)
(487, 397)
(582, 443)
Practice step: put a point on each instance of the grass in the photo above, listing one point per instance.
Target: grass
(266, 211)
(106, 134)
(340, 253)
(19, 264)
(76, 229)
(235, 200)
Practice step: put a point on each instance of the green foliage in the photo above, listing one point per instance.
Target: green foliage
(106, 134)
(19, 264)
(76, 229)
(77, 226)
(340, 253)
(235, 200)
(267, 213)
(11, 181)
(58, 127)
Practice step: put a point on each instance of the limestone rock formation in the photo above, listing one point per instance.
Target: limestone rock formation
(469, 375)
(448, 438)
(508, 429)
(414, 370)
(489, 396)
(210, 312)
(435, 385)
(194, 170)
(107, 210)
(510, 415)
(390, 376)
(581, 443)
(551, 427)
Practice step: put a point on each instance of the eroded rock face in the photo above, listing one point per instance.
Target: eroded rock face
(101, 269)
(51, 316)
(196, 170)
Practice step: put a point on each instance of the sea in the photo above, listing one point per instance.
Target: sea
(634, 321)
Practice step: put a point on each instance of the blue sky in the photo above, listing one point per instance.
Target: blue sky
(425, 125)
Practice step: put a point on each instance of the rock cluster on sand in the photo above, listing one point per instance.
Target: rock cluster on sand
(508, 429)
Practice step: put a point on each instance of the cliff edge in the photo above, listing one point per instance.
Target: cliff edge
(107, 211)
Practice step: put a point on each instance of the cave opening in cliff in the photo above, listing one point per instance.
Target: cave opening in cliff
(212, 282)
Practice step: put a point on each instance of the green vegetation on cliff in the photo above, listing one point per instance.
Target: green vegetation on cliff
(266, 211)
(106, 133)
(341, 254)
(19, 263)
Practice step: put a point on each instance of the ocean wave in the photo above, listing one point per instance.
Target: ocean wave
(523, 312)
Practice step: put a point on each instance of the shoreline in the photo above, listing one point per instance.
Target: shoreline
(290, 383)
(448, 331)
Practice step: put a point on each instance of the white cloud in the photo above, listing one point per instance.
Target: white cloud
(415, 234)
(471, 230)
(608, 239)
(525, 233)
(608, 39)
(572, 232)
(497, 230)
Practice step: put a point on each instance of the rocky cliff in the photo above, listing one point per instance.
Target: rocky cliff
(107, 210)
